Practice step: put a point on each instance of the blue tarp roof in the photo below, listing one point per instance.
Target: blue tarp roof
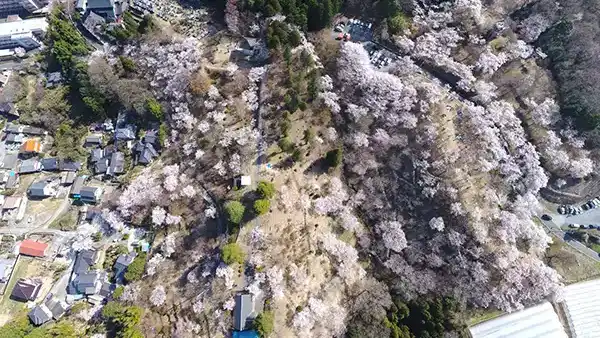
(245, 334)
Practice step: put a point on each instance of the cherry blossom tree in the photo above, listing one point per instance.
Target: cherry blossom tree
(158, 296)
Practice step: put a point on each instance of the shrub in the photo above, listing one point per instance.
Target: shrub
(232, 253)
(398, 23)
(297, 155)
(235, 211)
(135, 270)
(127, 63)
(334, 158)
(155, 109)
(262, 206)
(162, 134)
(286, 144)
(265, 189)
(118, 292)
(264, 323)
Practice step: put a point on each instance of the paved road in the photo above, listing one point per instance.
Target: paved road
(554, 229)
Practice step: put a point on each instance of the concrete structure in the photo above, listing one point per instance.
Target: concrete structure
(581, 308)
(536, 321)
(16, 32)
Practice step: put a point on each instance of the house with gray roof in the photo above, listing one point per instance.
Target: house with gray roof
(29, 130)
(53, 79)
(90, 194)
(29, 166)
(40, 315)
(68, 178)
(50, 164)
(101, 167)
(76, 187)
(14, 138)
(126, 133)
(117, 164)
(13, 128)
(9, 161)
(68, 165)
(121, 265)
(145, 152)
(102, 8)
(93, 141)
(244, 312)
(84, 279)
(12, 180)
(96, 155)
(41, 189)
(8, 109)
(57, 307)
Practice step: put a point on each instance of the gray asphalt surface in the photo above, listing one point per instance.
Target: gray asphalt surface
(555, 229)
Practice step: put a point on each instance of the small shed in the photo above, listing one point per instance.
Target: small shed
(12, 181)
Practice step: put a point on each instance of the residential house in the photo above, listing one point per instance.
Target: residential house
(117, 164)
(97, 155)
(101, 167)
(121, 265)
(90, 194)
(151, 137)
(8, 109)
(93, 141)
(6, 268)
(76, 187)
(104, 8)
(26, 289)
(68, 178)
(10, 207)
(50, 164)
(84, 279)
(9, 161)
(29, 166)
(31, 146)
(42, 189)
(12, 182)
(40, 315)
(68, 165)
(14, 138)
(244, 312)
(33, 131)
(107, 289)
(57, 307)
(91, 213)
(126, 133)
(33, 248)
(53, 79)
(145, 153)
(13, 128)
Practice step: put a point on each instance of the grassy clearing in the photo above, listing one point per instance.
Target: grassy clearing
(569, 263)
(480, 316)
(67, 221)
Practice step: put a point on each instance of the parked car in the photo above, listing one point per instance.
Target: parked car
(585, 206)
(546, 217)
(562, 210)
(591, 226)
(576, 226)
(338, 28)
